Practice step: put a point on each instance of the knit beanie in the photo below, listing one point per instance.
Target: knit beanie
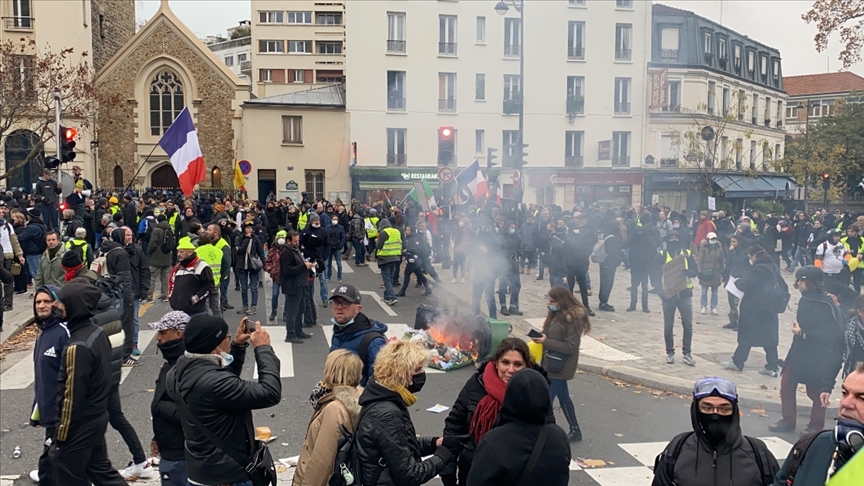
(204, 333)
(71, 259)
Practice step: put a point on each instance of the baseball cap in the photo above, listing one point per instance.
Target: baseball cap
(347, 292)
(809, 272)
(172, 320)
(712, 235)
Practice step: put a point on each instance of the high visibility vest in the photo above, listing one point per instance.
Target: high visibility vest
(686, 254)
(372, 233)
(301, 221)
(845, 242)
(173, 221)
(79, 243)
(213, 257)
(113, 210)
(393, 245)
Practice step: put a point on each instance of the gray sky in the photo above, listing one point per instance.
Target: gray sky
(773, 22)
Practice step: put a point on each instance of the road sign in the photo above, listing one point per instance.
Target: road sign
(517, 178)
(245, 167)
(446, 175)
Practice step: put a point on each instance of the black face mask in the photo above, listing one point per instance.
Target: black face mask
(673, 246)
(56, 314)
(715, 427)
(417, 382)
(188, 260)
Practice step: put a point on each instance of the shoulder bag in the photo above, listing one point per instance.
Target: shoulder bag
(255, 263)
(535, 455)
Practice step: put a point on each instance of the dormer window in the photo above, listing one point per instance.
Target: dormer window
(737, 58)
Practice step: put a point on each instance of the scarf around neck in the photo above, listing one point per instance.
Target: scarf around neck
(408, 398)
(489, 406)
(317, 394)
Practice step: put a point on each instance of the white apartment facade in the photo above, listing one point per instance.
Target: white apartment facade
(415, 67)
(296, 45)
(236, 54)
(813, 96)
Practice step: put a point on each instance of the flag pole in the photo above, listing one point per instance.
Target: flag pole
(139, 168)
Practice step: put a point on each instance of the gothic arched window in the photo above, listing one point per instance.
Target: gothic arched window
(166, 101)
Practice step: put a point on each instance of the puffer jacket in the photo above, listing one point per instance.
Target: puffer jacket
(339, 407)
(386, 434)
(563, 337)
(350, 337)
(223, 403)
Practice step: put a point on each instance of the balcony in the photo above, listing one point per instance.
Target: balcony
(675, 107)
(622, 108)
(396, 46)
(397, 160)
(245, 67)
(623, 54)
(779, 124)
(575, 106)
(767, 122)
(512, 51)
(708, 57)
(669, 54)
(574, 161)
(754, 121)
(395, 104)
(447, 48)
(18, 23)
(722, 62)
(669, 162)
(511, 107)
(621, 161)
(446, 106)
(575, 53)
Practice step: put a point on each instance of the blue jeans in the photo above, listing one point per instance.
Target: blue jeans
(388, 274)
(335, 255)
(51, 217)
(33, 262)
(322, 280)
(558, 388)
(800, 258)
(704, 300)
(248, 280)
(135, 305)
(224, 280)
(274, 305)
(684, 305)
(359, 252)
(480, 286)
(174, 473)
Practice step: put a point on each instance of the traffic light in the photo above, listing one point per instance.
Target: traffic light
(52, 163)
(490, 156)
(521, 153)
(67, 144)
(446, 145)
(826, 181)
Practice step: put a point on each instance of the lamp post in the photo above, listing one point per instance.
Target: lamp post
(800, 106)
(501, 8)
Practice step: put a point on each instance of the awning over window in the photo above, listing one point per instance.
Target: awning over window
(742, 186)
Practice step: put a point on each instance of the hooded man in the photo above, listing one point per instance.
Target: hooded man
(120, 268)
(160, 260)
(354, 331)
(716, 452)
(46, 360)
(316, 247)
(32, 240)
(682, 301)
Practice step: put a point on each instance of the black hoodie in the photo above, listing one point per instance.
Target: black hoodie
(503, 453)
(167, 427)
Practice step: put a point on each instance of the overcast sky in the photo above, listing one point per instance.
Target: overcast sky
(772, 22)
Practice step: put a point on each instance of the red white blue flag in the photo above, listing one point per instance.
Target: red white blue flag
(180, 142)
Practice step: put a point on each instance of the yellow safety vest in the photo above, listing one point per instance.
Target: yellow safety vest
(301, 221)
(79, 243)
(686, 254)
(173, 221)
(393, 245)
(372, 233)
(113, 210)
(212, 255)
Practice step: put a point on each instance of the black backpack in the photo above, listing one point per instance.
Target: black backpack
(365, 341)
(111, 287)
(169, 244)
(346, 466)
(664, 463)
(358, 228)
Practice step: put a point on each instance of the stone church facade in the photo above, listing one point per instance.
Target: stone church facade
(161, 70)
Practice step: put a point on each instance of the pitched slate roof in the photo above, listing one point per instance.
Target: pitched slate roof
(814, 84)
(332, 95)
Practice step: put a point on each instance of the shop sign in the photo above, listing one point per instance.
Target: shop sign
(604, 149)
(419, 175)
(291, 186)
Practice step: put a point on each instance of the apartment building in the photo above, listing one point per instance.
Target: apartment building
(236, 54)
(705, 78)
(813, 96)
(415, 67)
(297, 45)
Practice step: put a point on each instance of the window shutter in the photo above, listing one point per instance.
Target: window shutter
(307, 76)
(278, 75)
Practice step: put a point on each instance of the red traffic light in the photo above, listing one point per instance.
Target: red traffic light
(446, 132)
(826, 175)
(70, 133)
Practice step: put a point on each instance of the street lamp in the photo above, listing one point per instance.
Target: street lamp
(810, 104)
(501, 8)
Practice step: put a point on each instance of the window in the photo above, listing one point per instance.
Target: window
(512, 39)
(166, 101)
(777, 152)
(623, 42)
(512, 93)
(229, 60)
(270, 17)
(242, 57)
(481, 30)
(791, 111)
(329, 48)
(396, 90)
(575, 95)
(447, 92)
(776, 72)
(726, 100)
(624, 3)
(480, 87)
(576, 40)
(22, 17)
(724, 151)
(266, 75)
(669, 44)
(763, 67)
(216, 177)
(24, 79)
(674, 97)
(271, 46)
(577, 3)
(329, 76)
(479, 141)
(741, 97)
(669, 150)
(739, 146)
(396, 144)
(751, 63)
(573, 142)
(779, 119)
(292, 129)
(299, 17)
(736, 60)
(620, 149)
(722, 49)
(447, 35)
(299, 76)
(754, 110)
(712, 97)
(299, 47)
(314, 184)
(395, 32)
(508, 148)
(329, 19)
(707, 43)
(118, 176)
(753, 154)
(622, 96)
(767, 115)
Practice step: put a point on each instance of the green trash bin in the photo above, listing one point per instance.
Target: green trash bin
(500, 331)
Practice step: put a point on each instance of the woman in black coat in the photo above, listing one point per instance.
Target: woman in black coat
(758, 324)
(248, 247)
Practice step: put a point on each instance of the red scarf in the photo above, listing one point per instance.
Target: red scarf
(70, 272)
(487, 410)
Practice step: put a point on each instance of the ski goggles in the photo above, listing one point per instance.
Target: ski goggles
(707, 386)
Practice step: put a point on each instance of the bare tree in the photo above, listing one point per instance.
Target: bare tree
(845, 17)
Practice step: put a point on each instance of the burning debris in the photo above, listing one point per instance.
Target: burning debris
(454, 340)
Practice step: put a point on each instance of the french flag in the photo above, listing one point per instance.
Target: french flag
(180, 142)
(473, 179)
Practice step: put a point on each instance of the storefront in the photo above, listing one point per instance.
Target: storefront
(370, 184)
(677, 190)
(584, 188)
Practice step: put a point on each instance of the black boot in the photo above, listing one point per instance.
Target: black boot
(569, 410)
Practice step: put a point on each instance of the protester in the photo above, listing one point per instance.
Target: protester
(294, 280)
(389, 249)
(250, 253)
(50, 271)
(711, 260)
(160, 260)
(354, 331)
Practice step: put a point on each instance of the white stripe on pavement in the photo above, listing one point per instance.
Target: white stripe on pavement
(393, 331)
(145, 337)
(284, 351)
(390, 312)
(20, 375)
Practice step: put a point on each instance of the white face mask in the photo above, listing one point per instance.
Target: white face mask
(227, 358)
(280, 241)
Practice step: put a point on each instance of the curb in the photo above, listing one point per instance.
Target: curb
(16, 330)
(650, 379)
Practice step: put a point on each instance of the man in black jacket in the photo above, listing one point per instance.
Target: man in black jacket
(167, 443)
(139, 269)
(46, 192)
(294, 282)
(681, 301)
(511, 255)
(612, 248)
(205, 384)
(119, 266)
(79, 453)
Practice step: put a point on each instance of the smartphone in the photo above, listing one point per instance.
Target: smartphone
(248, 326)
(534, 334)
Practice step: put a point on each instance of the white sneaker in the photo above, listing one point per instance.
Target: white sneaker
(714, 311)
(463, 280)
(453, 281)
(34, 475)
(702, 310)
(139, 471)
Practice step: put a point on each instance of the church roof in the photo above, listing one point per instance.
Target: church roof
(332, 95)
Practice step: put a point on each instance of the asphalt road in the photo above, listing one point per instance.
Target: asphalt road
(624, 426)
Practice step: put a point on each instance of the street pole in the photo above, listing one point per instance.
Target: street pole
(519, 160)
(57, 134)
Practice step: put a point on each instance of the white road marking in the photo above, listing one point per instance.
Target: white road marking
(631, 476)
(284, 351)
(20, 375)
(390, 312)
(145, 337)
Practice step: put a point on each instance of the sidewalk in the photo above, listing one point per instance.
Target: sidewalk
(18, 318)
(629, 346)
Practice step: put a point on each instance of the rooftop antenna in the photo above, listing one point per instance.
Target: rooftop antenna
(721, 12)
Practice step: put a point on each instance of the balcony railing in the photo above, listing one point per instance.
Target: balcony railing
(396, 46)
(722, 62)
(446, 105)
(622, 108)
(396, 104)
(621, 161)
(575, 107)
(754, 121)
(575, 53)
(18, 23)
(674, 108)
(669, 162)
(511, 107)
(512, 50)
(397, 159)
(245, 66)
(574, 161)
(447, 48)
(622, 54)
(779, 124)
(767, 122)
(669, 54)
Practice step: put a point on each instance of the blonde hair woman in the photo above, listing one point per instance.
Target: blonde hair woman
(335, 402)
(388, 447)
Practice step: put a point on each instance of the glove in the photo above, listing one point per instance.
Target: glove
(445, 455)
(454, 441)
